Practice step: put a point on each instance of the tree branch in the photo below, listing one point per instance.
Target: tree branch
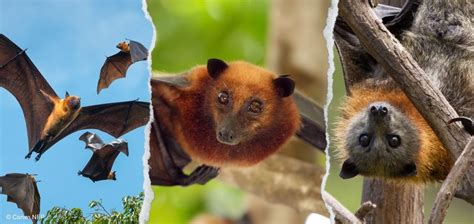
(446, 193)
(343, 215)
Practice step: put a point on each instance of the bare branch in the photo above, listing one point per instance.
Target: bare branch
(343, 215)
(446, 193)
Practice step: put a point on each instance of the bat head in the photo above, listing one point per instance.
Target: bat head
(72, 102)
(381, 141)
(123, 46)
(246, 99)
(111, 176)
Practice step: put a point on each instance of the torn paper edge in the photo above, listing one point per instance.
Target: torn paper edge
(149, 194)
(328, 35)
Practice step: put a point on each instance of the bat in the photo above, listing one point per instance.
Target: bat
(49, 118)
(116, 66)
(168, 159)
(100, 164)
(21, 189)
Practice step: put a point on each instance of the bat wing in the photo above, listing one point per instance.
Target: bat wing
(313, 128)
(354, 58)
(22, 190)
(115, 67)
(138, 52)
(92, 140)
(21, 78)
(115, 119)
(95, 168)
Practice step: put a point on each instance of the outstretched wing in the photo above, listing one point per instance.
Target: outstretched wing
(21, 189)
(115, 119)
(138, 52)
(115, 67)
(92, 140)
(22, 79)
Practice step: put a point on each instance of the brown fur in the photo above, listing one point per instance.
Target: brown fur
(433, 161)
(194, 114)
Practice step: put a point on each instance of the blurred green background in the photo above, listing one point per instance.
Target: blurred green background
(190, 32)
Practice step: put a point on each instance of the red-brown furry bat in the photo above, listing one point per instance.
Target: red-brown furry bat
(116, 66)
(21, 189)
(103, 157)
(49, 118)
(234, 114)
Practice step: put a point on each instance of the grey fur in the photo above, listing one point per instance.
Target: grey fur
(379, 158)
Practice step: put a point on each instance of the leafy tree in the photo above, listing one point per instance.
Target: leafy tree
(130, 213)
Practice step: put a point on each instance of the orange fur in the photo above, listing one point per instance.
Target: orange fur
(433, 161)
(124, 46)
(193, 115)
(60, 117)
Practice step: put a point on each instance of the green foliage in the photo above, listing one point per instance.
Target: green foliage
(131, 210)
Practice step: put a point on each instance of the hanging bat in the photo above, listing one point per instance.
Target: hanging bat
(250, 116)
(49, 118)
(116, 66)
(21, 189)
(100, 165)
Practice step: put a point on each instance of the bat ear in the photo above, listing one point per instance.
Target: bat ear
(215, 67)
(67, 95)
(348, 170)
(284, 85)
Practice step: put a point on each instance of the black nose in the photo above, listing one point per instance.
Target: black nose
(378, 111)
(226, 135)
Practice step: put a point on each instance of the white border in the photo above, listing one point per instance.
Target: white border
(328, 35)
(149, 195)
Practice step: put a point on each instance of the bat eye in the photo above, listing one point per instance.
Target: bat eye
(394, 140)
(223, 98)
(255, 107)
(364, 140)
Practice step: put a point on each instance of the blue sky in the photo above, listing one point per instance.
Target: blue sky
(68, 42)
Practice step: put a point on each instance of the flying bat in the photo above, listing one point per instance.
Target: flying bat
(49, 118)
(100, 165)
(116, 66)
(21, 189)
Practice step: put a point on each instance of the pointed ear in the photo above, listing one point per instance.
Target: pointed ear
(67, 95)
(284, 85)
(348, 170)
(215, 67)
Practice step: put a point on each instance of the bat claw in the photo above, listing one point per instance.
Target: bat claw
(37, 158)
(79, 173)
(203, 174)
(466, 123)
(28, 156)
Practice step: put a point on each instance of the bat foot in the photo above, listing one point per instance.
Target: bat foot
(466, 123)
(201, 175)
(79, 173)
(28, 156)
(37, 158)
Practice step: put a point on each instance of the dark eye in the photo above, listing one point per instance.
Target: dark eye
(223, 97)
(255, 107)
(364, 140)
(394, 140)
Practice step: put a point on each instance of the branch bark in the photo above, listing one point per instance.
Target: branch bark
(446, 193)
(343, 215)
